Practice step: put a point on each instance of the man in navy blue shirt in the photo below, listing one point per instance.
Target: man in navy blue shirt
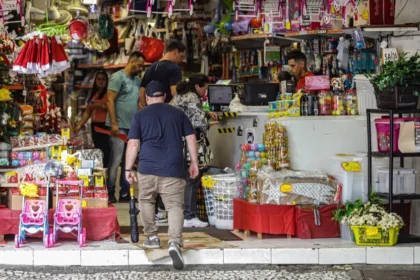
(158, 131)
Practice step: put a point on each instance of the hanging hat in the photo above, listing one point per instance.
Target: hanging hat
(65, 17)
(77, 6)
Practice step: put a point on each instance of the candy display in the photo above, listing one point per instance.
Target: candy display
(277, 146)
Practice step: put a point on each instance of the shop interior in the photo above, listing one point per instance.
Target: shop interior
(297, 153)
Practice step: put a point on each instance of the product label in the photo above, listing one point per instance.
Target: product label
(286, 188)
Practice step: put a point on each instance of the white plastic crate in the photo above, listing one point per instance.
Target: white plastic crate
(366, 98)
(404, 181)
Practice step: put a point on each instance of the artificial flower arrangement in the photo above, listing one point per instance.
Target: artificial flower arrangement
(372, 225)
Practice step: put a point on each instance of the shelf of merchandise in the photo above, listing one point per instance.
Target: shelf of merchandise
(251, 37)
(13, 87)
(321, 32)
(36, 147)
(390, 196)
(83, 86)
(385, 28)
(122, 65)
(92, 65)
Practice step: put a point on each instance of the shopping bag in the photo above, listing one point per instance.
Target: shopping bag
(151, 48)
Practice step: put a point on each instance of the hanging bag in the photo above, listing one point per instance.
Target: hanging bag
(151, 48)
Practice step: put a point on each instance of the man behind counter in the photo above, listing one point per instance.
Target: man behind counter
(298, 68)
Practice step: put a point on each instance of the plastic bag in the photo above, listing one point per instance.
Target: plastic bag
(151, 48)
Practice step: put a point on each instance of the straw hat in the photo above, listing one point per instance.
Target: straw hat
(77, 6)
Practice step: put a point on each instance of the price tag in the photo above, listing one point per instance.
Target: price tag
(322, 31)
(303, 33)
(372, 231)
(286, 188)
(390, 54)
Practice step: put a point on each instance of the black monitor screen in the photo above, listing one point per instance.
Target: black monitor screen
(260, 93)
(220, 95)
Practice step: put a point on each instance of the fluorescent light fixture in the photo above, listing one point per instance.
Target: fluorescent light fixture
(90, 2)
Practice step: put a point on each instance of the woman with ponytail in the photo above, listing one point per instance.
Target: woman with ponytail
(188, 98)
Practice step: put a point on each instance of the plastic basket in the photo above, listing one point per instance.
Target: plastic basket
(224, 191)
(375, 236)
(208, 198)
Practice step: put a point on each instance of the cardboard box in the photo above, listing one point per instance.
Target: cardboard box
(14, 202)
(95, 203)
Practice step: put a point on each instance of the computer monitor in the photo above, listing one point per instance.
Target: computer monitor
(260, 93)
(220, 95)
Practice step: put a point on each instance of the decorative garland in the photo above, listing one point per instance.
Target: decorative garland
(106, 27)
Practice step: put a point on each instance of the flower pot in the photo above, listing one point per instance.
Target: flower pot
(375, 236)
(346, 232)
(398, 97)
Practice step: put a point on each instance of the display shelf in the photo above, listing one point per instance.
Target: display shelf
(85, 86)
(9, 185)
(321, 32)
(35, 147)
(384, 28)
(13, 87)
(393, 111)
(92, 65)
(413, 196)
(251, 37)
(394, 154)
(121, 65)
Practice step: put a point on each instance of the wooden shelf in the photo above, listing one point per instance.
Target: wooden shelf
(251, 37)
(83, 86)
(87, 66)
(120, 66)
(321, 32)
(13, 87)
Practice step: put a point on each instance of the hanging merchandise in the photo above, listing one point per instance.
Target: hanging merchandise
(41, 55)
(151, 48)
(78, 29)
(94, 41)
(106, 26)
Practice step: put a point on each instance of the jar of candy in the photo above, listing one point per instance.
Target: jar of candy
(338, 104)
(324, 103)
(350, 102)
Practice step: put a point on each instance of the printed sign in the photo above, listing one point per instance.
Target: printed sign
(250, 135)
(390, 54)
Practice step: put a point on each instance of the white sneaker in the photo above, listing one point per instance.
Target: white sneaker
(195, 222)
(161, 217)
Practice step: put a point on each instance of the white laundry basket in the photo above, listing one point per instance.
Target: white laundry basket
(224, 188)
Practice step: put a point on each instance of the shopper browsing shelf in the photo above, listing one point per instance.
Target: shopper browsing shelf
(96, 110)
(298, 67)
(123, 96)
(188, 99)
(158, 131)
(166, 71)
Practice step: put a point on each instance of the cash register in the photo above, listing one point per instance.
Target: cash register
(219, 97)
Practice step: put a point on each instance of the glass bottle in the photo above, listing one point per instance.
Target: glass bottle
(338, 104)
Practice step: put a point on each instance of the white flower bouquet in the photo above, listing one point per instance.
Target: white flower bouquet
(373, 215)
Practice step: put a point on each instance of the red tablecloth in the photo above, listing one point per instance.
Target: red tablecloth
(306, 227)
(264, 218)
(100, 223)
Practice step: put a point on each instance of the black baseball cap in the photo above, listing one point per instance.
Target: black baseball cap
(155, 89)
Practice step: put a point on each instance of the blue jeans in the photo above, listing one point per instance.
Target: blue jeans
(117, 157)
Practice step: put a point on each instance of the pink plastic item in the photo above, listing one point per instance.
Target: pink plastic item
(68, 212)
(383, 132)
(34, 212)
